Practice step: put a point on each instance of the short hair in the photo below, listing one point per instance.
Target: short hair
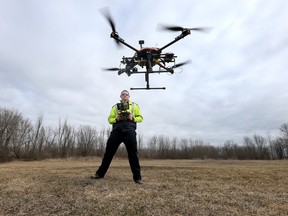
(125, 91)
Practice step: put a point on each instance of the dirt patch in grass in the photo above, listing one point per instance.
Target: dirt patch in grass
(171, 187)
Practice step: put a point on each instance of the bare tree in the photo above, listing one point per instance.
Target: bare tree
(86, 138)
(284, 130)
(9, 123)
(37, 139)
(152, 146)
(102, 142)
(174, 149)
(50, 149)
(250, 148)
(284, 133)
(163, 146)
(271, 149)
(228, 151)
(198, 149)
(21, 138)
(140, 144)
(279, 148)
(65, 139)
(184, 149)
(262, 150)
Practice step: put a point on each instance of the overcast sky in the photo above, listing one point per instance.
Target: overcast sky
(52, 53)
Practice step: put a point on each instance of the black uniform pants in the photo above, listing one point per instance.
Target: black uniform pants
(113, 142)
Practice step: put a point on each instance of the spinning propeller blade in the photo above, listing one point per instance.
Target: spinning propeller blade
(111, 69)
(105, 12)
(179, 28)
(181, 64)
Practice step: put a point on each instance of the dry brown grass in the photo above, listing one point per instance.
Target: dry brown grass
(171, 187)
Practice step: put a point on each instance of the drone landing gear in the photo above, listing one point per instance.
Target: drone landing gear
(149, 70)
(148, 88)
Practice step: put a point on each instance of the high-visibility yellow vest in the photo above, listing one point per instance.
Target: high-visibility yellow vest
(133, 109)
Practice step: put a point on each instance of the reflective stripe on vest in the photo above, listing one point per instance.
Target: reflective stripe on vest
(132, 109)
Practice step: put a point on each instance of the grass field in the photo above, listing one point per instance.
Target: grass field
(171, 187)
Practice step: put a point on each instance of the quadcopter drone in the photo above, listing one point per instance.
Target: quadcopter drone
(146, 58)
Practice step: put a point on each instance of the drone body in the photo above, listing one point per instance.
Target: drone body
(147, 58)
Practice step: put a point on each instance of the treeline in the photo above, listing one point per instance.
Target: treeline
(23, 140)
(254, 148)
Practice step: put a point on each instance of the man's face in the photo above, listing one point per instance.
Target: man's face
(124, 96)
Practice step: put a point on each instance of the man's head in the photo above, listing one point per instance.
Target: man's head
(124, 96)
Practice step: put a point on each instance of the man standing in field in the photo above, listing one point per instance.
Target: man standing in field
(124, 117)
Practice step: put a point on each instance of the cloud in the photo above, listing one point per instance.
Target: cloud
(52, 54)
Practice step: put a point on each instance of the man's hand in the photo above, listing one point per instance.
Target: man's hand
(130, 117)
(119, 117)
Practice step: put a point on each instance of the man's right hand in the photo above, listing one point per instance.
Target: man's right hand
(119, 117)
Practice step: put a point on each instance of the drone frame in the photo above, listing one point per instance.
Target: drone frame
(148, 57)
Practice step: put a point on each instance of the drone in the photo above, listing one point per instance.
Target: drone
(146, 58)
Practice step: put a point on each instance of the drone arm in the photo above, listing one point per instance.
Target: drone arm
(120, 40)
(170, 70)
(184, 33)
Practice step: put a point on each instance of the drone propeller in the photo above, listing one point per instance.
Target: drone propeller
(181, 64)
(179, 28)
(120, 71)
(105, 12)
(111, 69)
